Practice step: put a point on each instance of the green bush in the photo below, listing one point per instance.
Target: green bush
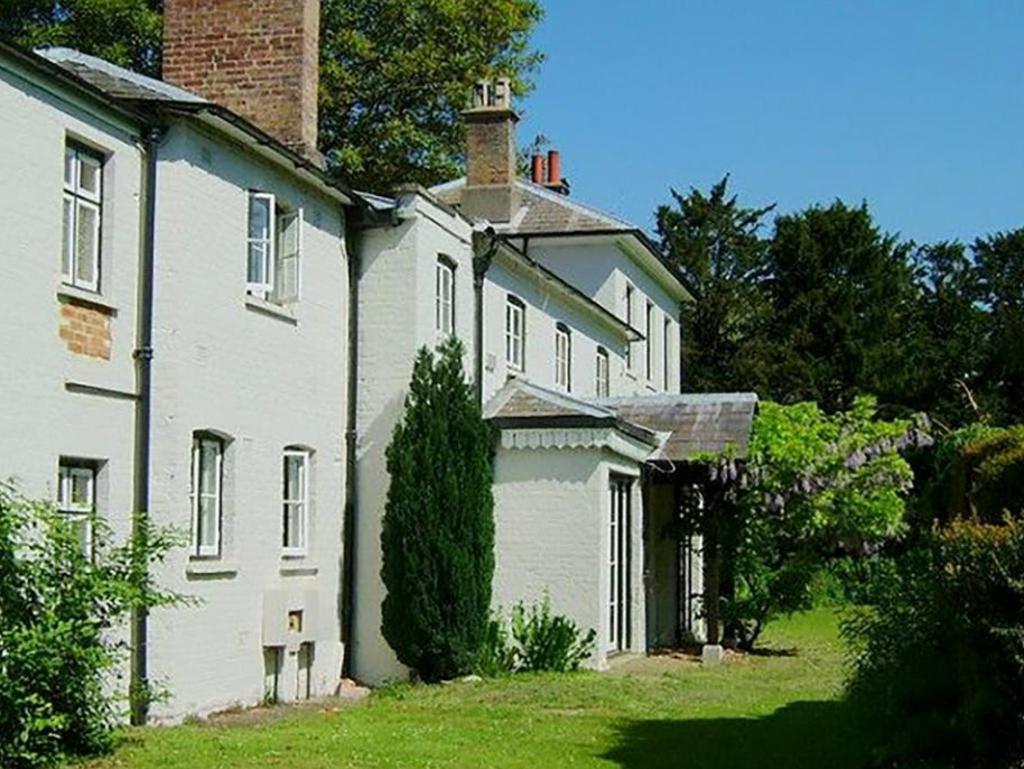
(853, 581)
(59, 613)
(938, 663)
(537, 641)
(437, 534)
(546, 641)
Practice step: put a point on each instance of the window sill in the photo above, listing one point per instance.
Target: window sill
(292, 566)
(212, 569)
(73, 295)
(265, 307)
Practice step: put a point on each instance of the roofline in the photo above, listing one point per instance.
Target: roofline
(635, 232)
(631, 334)
(561, 421)
(51, 69)
(261, 137)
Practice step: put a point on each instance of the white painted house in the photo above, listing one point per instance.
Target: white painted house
(212, 330)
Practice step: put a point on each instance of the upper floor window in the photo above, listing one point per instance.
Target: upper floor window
(83, 214)
(649, 346)
(666, 342)
(207, 494)
(444, 295)
(563, 357)
(602, 375)
(629, 320)
(295, 503)
(515, 334)
(274, 249)
(76, 498)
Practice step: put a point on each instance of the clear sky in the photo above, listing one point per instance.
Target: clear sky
(916, 106)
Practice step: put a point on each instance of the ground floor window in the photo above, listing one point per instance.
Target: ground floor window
(207, 499)
(295, 505)
(76, 498)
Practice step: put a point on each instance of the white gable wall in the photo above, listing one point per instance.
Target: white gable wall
(265, 381)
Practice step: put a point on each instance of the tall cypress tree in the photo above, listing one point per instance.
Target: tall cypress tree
(438, 529)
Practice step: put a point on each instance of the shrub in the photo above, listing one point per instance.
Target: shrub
(438, 529)
(938, 665)
(854, 581)
(497, 656)
(549, 642)
(58, 613)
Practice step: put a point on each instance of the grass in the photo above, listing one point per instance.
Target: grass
(773, 710)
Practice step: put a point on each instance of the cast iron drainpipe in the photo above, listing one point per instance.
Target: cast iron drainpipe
(485, 246)
(143, 355)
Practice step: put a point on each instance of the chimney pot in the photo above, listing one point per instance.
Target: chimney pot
(555, 168)
(537, 169)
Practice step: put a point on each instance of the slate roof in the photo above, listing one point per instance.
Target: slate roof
(695, 423)
(525, 405)
(544, 212)
(115, 81)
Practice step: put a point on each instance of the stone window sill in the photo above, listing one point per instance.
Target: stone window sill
(70, 294)
(280, 312)
(297, 568)
(211, 569)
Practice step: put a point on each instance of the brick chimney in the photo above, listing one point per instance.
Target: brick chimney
(491, 155)
(259, 58)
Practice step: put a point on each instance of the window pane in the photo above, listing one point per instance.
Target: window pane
(81, 490)
(69, 167)
(257, 270)
(288, 234)
(67, 243)
(87, 232)
(295, 478)
(89, 175)
(208, 480)
(207, 520)
(259, 218)
(83, 532)
(293, 535)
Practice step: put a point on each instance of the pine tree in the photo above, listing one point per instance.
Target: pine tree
(438, 529)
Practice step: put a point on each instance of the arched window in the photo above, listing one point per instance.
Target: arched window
(602, 387)
(563, 357)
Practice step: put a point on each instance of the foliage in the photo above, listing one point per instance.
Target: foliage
(816, 485)
(60, 616)
(549, 642)
(853, 580)
(939, 662)
(977, 472)
(537, 641)
(715, 244)
(397, 74)
(394, 74)
(438, 529)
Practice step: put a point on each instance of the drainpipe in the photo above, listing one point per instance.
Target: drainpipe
(485, 246)
(348, 591)
(143, 356)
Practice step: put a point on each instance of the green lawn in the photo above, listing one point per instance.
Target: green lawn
(778, 710)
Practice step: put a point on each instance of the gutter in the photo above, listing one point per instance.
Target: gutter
(143, 354)
(485, 246)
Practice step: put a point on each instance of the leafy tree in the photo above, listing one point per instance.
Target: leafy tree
(395, 74)
(715, 243)
(841, 294)
(1000, 272)
(812, 487)
(58, 611)
(438, 529)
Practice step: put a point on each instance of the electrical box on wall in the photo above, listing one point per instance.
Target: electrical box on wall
(289, 618)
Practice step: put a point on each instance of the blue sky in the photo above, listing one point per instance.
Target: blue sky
(916, 106)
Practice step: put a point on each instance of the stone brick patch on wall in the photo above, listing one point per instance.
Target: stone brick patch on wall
(85, 329)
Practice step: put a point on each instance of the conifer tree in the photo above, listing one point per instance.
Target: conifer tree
(438, 528)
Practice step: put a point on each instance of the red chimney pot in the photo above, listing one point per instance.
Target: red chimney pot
(554, 168)
(537, 174)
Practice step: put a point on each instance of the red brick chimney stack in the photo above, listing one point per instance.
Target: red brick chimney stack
(491, 153)
(259, 58)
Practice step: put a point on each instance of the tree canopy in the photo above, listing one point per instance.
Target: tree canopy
(394, 74)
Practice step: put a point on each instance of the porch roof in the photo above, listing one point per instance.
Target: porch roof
(694, 423)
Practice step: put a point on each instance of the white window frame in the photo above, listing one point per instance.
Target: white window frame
(302, 548)
(78, 198)
(67, 472)
(281, 258)
(515, 333)
(444, 296)
(563, 357)
(630, 356)
(649, 344)
(602, 383)
(200, 548)
(667, 353)
(261, 288)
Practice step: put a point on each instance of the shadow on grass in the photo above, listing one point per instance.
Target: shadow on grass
(801, 735)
